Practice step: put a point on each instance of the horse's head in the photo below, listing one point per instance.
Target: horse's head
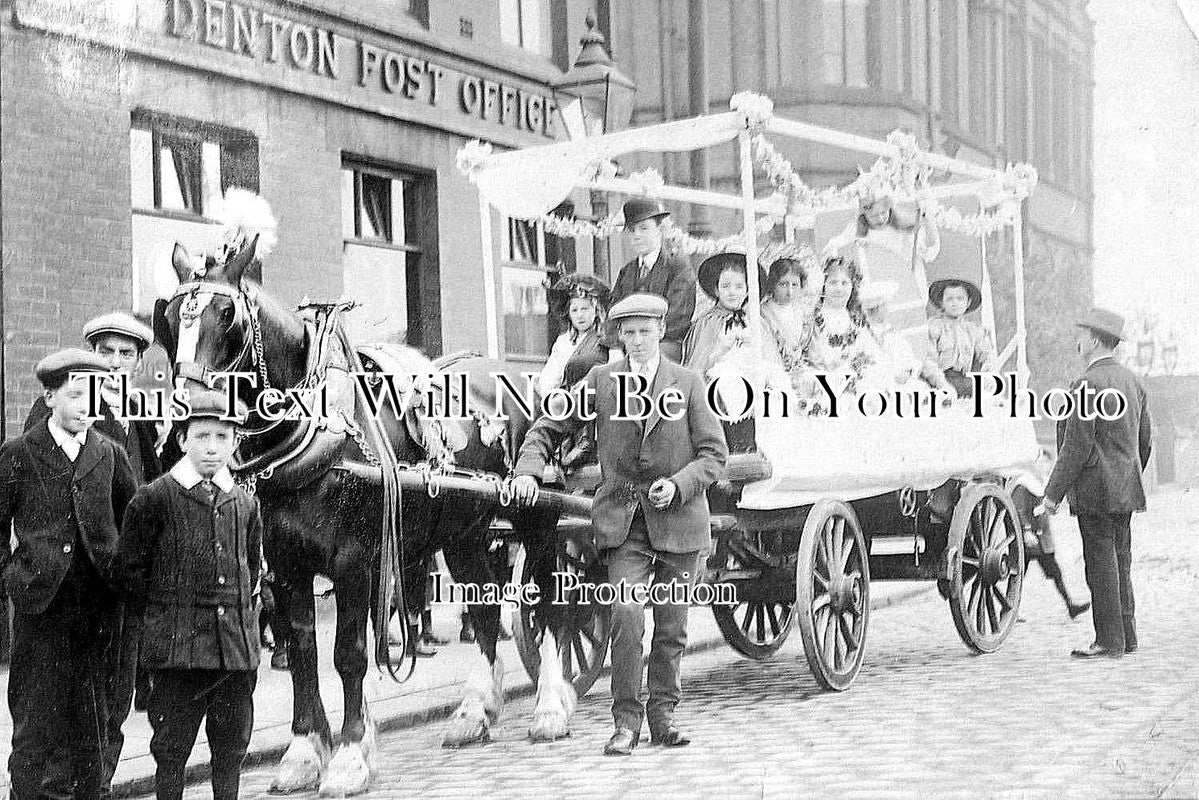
(208, 325)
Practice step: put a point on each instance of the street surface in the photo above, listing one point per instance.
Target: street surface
(925, 717)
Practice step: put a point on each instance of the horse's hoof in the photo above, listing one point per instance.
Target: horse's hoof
(551, 716)
(469, 725)
(301, 767)
(348, 774)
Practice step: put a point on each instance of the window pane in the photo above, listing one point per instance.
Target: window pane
(834, 51)
(141, 168)
(530, 25)
(522, 242)
(526, 312)
(179, 163)
(855, 42)
(375, 214)
(397, 212)
(375, 277)
(347, 204)
(210, 176)
(510, 21)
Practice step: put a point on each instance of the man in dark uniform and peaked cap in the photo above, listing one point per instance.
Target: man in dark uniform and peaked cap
(120, 341)
(654, 271)
(1098, 468)
(63, 493)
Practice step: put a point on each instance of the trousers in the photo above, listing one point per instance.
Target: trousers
(180, 699)
(636, 562)
(1107, 556)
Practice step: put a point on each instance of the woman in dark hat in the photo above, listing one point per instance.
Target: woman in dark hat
(581, 302)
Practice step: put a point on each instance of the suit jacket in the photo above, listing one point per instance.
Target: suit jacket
(51, 505)
(191, 564)
(689, 451)
(138, 443)
(671, 277)
(1099, 462)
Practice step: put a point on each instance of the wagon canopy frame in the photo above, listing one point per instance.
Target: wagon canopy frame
(528, 183)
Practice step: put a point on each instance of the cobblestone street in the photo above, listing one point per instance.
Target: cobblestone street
(925, 716)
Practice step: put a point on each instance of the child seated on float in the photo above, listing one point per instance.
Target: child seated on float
(897, 363)
(958, 345)
(721, 343)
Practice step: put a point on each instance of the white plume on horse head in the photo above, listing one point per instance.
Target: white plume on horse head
(244, 215)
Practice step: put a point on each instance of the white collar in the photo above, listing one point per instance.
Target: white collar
(185, 474)
(649, 260)
(651, 367)
(1097, 359)
(65, 439)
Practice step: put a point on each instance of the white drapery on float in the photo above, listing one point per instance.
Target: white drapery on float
(850, 457)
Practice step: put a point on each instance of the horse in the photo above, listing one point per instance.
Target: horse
(329, 508)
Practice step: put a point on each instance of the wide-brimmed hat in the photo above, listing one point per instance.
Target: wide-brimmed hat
(579, 284)
(642, 208)
(121, 324)
(876, 293)
(712, 266)
(1103, 321)
(937, 288)
(53, 370)
(642, 304)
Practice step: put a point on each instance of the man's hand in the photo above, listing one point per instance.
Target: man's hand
(525, 490)
(661, 493)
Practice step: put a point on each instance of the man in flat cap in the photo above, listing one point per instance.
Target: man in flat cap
(120, 341)
(651, 511)
(654, 271)
(63, 492)
(1098, 468)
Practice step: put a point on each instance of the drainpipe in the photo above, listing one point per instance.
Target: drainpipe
(697, 55)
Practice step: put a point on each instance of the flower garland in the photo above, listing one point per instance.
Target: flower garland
(672, 236)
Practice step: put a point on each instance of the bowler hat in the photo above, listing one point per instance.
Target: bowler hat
(207, 404)
(711, 268)
(1103, 321)
(641, 304)
(642, 208)
(937, 288)
(121, 324)
(54, 369)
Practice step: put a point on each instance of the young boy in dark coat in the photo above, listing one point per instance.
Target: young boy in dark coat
(191, 555)
(63, 490)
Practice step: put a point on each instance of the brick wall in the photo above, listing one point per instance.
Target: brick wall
(65, 201)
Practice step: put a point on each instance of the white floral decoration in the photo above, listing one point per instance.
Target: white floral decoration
(472, 156)
(647, 180)
(756, 108)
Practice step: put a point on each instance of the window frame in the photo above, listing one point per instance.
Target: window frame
(411, 181)
(544, 36)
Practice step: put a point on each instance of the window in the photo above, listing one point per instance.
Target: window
(381, 214)
(521, 23)
(184, 167)
(530, 259)
(419, 10)
(851, 43)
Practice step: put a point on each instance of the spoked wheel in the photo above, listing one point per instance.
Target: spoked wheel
(832, 601)
(986, 566)
(588, 627)
(755, 628)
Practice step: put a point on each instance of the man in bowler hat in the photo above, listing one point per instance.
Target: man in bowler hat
(63, 492)
(1099, 468)
(651, 511)
(654, 271)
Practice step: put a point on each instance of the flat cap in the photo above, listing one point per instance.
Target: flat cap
(122, 324)
(207, 404)
(54, 369)
(639, 305)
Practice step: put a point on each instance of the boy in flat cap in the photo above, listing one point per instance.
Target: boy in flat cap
(1099, 465)
(63, 491)
(191, 558)
(120, 341)
(650, 515)
(654, 271)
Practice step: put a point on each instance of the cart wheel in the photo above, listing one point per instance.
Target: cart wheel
(756, 629)
(832, 583)
(986, 566)
(588, 627)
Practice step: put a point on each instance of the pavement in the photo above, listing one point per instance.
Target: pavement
(925, 717)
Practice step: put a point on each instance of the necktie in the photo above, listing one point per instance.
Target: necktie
(209, 489)
(645, 267)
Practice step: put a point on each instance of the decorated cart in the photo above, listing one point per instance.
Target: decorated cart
(802, 526)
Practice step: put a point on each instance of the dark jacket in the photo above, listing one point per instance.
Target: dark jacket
(138, 442)
(53, 505)
(671, 277)
(1099, 462)
(193, 565)
(689, 451)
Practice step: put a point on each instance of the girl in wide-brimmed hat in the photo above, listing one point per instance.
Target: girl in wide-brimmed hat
(581, 302)
(958, 345)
